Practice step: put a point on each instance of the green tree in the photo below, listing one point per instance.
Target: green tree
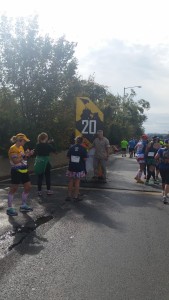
(10, 118)
(39, 85)
(39, 71)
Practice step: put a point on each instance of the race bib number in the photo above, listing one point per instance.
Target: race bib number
(75, 159)
(150, 154)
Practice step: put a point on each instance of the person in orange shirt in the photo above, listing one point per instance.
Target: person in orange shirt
(19, 172)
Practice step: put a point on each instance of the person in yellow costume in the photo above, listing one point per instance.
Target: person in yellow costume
(19, 172)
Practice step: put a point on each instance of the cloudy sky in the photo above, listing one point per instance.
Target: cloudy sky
(124, 43)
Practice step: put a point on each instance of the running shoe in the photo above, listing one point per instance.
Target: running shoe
(104, 181)
(49, 192)
(11, 212)
(77, 199)
(140, 181)
(165, 200)
(147, 182)
(25, 208)
(68, 198)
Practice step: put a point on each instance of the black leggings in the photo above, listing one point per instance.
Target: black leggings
(150, 173)
(164, 176)
(47, 178)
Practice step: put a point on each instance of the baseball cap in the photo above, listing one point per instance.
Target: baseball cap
(22, 137)
(166, 141)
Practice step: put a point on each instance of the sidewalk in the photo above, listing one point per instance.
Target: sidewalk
(57, 160)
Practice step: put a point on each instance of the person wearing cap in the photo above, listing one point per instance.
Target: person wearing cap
(101, 155)
(140, 156)
(151, 150)
(77, 155)
(19, 172)
(163, 157)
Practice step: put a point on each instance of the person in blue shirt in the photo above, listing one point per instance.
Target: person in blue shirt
(77, 155)
(163, 157)
(140, 156)
(131, 144)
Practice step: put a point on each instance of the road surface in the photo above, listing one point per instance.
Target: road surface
(112, 245)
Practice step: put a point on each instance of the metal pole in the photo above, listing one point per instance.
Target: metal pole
(131, 87)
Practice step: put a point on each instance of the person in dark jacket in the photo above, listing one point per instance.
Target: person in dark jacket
(42, 165)
(163, 156)
(77, 155)
(150, 152)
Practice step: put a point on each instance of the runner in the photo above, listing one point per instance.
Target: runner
(132, 144)
(140, 156)
(163, 156)
(124, 145)
(19, 172)
(157, 171)
(150, 153)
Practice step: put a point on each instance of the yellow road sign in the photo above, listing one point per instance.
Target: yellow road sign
(89, 118)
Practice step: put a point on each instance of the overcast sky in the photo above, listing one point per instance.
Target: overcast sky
(123, 43)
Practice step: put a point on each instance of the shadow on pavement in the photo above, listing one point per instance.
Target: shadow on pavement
(97, 215)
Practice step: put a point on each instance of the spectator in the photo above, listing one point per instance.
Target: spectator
(42, 165)
(19, 172)
(77, 155)
(101, 155)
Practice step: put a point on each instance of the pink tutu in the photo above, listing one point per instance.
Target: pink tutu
(79, 175)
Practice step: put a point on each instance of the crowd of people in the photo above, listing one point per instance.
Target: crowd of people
(18, 158)
(77, 155)
(152, 156)
(153, 159)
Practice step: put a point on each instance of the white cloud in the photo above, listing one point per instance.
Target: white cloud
(120, 65)
(125, 43)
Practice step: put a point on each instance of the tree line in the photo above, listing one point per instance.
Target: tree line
(39, 83)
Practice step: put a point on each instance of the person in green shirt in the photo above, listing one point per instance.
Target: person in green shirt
(124, 145)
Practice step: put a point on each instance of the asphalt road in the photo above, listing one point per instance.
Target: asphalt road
(112, 245)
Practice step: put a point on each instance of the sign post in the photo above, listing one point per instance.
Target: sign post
(89, 119)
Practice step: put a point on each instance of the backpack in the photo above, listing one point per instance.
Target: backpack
(166, 156)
